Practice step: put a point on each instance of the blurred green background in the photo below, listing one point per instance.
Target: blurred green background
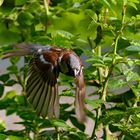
(105, 33)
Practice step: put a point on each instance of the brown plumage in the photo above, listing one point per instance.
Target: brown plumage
(42, 87)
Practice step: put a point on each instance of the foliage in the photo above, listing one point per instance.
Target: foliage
(107, 32)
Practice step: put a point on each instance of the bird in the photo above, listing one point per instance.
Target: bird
(44, 68)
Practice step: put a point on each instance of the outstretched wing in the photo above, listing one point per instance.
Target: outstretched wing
(42, 88)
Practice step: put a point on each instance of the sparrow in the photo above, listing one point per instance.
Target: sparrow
(44, 68)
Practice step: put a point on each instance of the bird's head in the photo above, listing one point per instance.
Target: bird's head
(75, 65)
(70, 64)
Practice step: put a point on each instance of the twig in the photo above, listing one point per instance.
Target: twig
(46, 4)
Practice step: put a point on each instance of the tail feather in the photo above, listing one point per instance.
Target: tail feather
(80, 96)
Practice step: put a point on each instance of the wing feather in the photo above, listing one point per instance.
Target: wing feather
(51, 103)
(34, 92)
(32, 78)
(31, 85)
(46, 103)
(56, 102)
(41, 86)
(38, 95)
(42, 99)
(42, 91)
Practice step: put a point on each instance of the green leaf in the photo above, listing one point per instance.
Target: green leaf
(25, 18)
(3, 137)
(65, 106)
(134, 4)
(106, 2)
(98, 65)
(127, 98)
(1, 90)
(65, 34)
(74, 10)
(26, 113)
(10, 110)
(11, 94)
(43, 40)
(35, 7)
(1, 2)
(74, 136)
(13, 69)
(117, 82)
(60, 123)
(14, 60)
(133, 49)
(4, 77)
(90, 114)
(9, 37)
(77, 124)
(95, 59)
(131, 76)
(123, 43)
(82, 135)
(94, 103)
(44, 123)
(107, 60)
(10, 82)
(2, 125)
(5, 103)
(67, 93)
(49, 134)
(16, 138)
(20, 99)
(112, 115)
(61, 41)
(27, 123)
(20, 2)
(15, 133)
(138, 17)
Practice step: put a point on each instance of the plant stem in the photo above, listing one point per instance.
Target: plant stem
(99, 69)
(57, 132)
(95, 125)
(46, 5)
(115, 47)
(106, 129)
(98, 111)
(123, 11)
(105, 84)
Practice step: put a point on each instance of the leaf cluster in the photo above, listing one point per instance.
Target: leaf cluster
(106, 34)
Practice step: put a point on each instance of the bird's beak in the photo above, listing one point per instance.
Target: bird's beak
(76, 73)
